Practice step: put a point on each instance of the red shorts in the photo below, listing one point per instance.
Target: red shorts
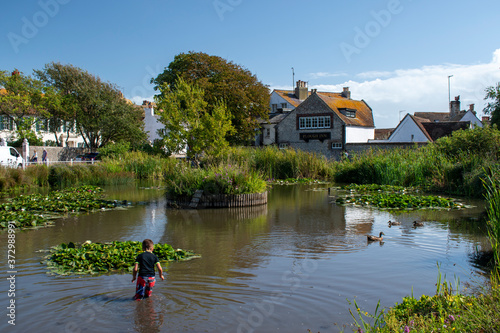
(144, 286)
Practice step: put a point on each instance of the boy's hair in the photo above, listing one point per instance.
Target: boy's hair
(147, 244)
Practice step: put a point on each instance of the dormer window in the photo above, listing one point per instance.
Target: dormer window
(283, 105)
(350, 113)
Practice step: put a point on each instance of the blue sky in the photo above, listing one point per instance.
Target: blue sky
(394, 54)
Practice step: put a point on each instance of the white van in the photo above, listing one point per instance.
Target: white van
(9, 157)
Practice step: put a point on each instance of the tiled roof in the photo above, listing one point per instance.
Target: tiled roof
(434, 130)
(383, 133)
(290, 97)
(335, 101)
(433, 116)
(440, 116)
(441, 129)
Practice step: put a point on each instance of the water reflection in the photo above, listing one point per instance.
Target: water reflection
(289, 265)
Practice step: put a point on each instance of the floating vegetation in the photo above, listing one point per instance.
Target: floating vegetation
(400, 201)
(36, 210)
(98, 258)
(378, 188)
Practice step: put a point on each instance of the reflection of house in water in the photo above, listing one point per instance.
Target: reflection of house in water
(358, 220)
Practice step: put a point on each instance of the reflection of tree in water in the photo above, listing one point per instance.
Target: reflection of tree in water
(146, 316)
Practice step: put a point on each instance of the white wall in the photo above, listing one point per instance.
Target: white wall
(277, 99)
(469, 116)
(355, 134)
(405, 130)
(151, 124)
(271, 138)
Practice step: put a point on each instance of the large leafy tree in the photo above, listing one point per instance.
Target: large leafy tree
(98, 108)
(189, 125)
(22, 101)
(493, 107)
(247, 99)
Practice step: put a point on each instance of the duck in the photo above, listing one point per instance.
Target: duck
(372, 238)
(418, 224)
(394, 223)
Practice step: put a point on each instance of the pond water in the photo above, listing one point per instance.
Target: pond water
(288, 266)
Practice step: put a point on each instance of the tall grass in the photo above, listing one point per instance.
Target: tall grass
(492, 185)
(454, 165)
(275, 163)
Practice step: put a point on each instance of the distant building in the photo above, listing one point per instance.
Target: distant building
(430, 126)
(154, 128)
(151, 123)
(66, 133)
(321, 122)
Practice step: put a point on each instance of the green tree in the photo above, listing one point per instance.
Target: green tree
(22, 103)
(247, 99)
(98, 109)
(493, 107)
(189, 121)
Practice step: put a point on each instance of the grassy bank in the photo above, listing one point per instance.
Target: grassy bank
(448, 310)
(453, 165)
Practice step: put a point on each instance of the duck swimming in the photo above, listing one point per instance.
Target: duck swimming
(394, 223)
(418, 224)
(372, 238)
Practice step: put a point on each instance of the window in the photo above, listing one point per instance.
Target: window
(268, 132)
(275, 107)
(336, 145)
(283, 145)
(350, 113)
(283, 105)
(314, 122)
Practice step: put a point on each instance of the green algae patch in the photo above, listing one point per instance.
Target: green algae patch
(37, 210)
(400, 201)
(100, 258)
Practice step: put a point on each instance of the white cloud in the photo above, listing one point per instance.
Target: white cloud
(421, 89)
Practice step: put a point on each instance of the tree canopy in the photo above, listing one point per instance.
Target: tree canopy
(493, 107)
(98, 108)
(22, 100)
(188, 123)
(246, 98)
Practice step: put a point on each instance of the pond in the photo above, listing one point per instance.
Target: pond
(287, 266)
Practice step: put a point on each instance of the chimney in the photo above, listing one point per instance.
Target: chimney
(471, 108)
(346, 93)
(301, 90)
(455, 107)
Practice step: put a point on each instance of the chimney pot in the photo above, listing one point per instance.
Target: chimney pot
(301, 91)
(346, 93)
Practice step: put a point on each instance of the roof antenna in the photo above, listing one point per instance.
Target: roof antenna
(293, 78)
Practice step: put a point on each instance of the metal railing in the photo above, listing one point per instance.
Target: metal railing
(48, 162)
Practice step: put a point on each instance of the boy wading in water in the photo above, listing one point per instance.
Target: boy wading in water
(145, 264)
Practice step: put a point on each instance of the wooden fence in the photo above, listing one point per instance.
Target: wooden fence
(200, 200)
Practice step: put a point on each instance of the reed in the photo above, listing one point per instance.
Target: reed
(492, 185)
(275, 163)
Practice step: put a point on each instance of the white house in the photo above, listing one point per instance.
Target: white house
(430, 126)
(153, 127)
(151, 123)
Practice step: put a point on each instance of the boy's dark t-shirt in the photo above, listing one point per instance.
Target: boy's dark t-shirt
(147, 262)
